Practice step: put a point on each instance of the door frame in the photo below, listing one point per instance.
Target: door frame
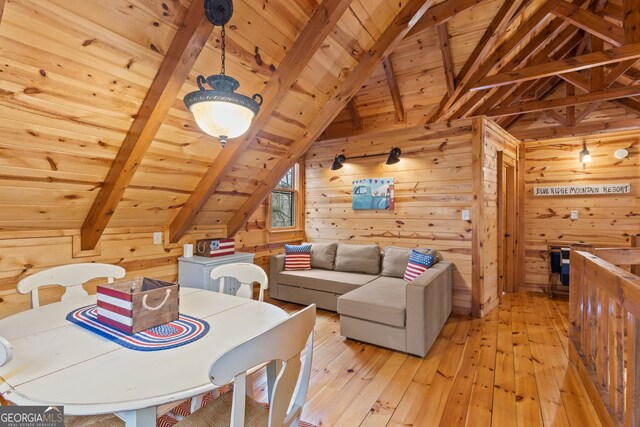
(507, 202)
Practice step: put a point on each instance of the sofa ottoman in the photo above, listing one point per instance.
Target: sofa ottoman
(392, 313)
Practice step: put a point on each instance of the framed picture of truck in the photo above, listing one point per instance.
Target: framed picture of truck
(373, 194)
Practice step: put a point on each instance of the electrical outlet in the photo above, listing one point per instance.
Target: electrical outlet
(574, 214)
(157, 238)
(466, 215)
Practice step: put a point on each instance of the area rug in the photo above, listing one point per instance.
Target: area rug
(183, 410)
(174, 334)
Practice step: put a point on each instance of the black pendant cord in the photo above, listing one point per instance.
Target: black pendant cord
(222, 71)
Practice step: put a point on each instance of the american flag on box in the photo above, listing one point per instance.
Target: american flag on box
(215, 247)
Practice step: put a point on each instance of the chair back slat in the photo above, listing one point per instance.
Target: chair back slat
(71, 277)
(6, 351)
(284, 342)
(246, 274)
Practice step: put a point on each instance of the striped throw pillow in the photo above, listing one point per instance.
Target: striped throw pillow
(418, 264)
(297, 257)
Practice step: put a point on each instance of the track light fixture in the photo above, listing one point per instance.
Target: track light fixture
(392, 159)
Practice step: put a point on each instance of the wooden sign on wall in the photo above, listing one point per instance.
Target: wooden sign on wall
(582, 190)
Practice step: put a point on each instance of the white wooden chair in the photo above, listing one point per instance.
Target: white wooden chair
(71, 276)
(6, 351)
(245, 273)
(284, 342)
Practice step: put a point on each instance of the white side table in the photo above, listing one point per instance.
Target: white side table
(195, 272)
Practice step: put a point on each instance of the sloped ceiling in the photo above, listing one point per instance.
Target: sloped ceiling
(74, 74)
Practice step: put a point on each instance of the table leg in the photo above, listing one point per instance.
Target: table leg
(140, 418)
(273, 368)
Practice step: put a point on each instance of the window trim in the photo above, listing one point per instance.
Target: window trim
(297, 190)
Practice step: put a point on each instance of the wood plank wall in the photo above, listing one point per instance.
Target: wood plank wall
(489, 139)
(25, 252)
(432, 187)
(603, 220)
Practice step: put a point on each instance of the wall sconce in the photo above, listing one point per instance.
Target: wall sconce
(585, 156)
(392, 159)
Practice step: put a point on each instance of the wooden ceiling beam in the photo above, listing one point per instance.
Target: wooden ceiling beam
(447, 105)
(555, 116)
(631, 26)
(174, 70)
(447, 60)
(586, 112)
(394, 88)
(441, 13)
(412, 12)
(323, 20)
(355, 114)
(604, 95)
(557, 48)
(590, 22)
(578, 63)
(2, 2)
(570, 110)
(489, 38)
(591, 128)
(560, 34)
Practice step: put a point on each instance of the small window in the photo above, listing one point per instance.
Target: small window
(284, 201)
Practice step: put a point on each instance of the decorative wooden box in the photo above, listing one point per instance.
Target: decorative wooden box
(136, 305)
(215, 247)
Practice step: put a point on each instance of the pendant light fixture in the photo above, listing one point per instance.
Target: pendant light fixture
(220, 111)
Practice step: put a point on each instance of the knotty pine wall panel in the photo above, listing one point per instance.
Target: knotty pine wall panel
(486, 241)
(432, 187)
(603, 220)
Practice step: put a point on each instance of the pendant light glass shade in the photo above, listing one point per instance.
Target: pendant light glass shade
(219, 110)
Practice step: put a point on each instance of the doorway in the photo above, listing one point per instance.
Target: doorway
(506, 223)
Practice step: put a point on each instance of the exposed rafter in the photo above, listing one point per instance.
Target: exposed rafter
(560, 44)
(394, 88)
(557, 48)
(392, 35)
(589, 60)
(355, 114)
(570, 111)
(310, 39)
(174, 70)
(604, 95)
(493, 60)
(441, 13)
(447, 60)
(590, 22)
(489, 38)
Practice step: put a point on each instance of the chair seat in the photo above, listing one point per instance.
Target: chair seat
(217, 413)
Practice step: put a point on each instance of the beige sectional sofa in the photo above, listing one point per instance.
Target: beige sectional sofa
(366, 287)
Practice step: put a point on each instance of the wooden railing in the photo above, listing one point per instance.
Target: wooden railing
(604, 317)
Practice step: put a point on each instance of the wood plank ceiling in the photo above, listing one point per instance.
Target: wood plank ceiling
(94, 134)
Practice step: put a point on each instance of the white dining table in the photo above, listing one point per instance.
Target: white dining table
(56, 362)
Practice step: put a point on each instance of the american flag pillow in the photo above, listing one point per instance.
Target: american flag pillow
(418, 264)
(297, 257)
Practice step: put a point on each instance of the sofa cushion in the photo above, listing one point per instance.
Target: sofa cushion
(325, 280)
(383, 300)
(323, 255)
(396, 259)
(418, 264)
(297, 257)
(358, 258)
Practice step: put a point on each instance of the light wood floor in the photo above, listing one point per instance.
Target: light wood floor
(508, 369)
